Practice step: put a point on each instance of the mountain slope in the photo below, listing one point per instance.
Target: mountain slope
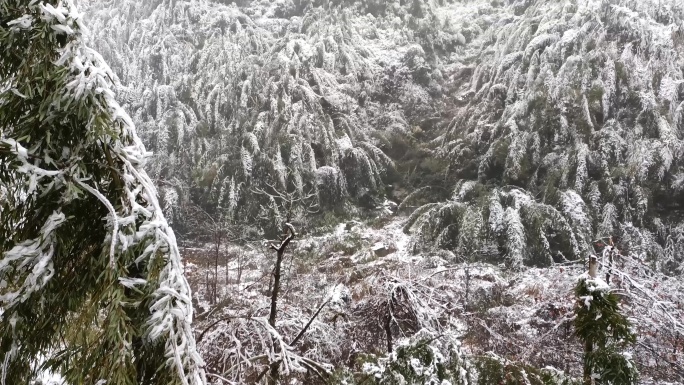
(277, 96)
(519, 137)
(549, 124)
(572, 131)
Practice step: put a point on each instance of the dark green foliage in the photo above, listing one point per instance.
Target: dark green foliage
(492, 370)
(84, 250)
(606, 334)
(560, 114)
(523, 230)
(417, 363)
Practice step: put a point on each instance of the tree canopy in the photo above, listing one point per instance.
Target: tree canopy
(91, 282)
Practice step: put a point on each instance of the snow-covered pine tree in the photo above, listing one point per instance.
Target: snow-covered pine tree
(605, 332)
(91, 284)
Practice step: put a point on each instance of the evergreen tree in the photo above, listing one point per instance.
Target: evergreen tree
(91, 284)
(419, 360)
(604, 331)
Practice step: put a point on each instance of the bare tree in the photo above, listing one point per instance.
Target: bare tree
(280, 252)
(291, 204)
(217, 229)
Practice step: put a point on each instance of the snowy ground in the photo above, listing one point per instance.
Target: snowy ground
(523, 316)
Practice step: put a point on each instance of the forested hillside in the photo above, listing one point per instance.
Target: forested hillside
(468, 192)
(531, 128)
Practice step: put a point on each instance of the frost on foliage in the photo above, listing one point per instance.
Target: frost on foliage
(331, 183)
(599, 322)
(422, 347)
(544, 96)
(515, 238)
(302, 86)
(575, 210)
(574, 103)
(527, 232)
(91, 168)
(246, 345)
(169, 197)
(422, 359)
(35, 256)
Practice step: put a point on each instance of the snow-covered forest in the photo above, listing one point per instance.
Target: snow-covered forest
(342, 192)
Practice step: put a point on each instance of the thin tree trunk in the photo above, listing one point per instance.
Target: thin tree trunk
(388, 325)
(610, 261)
(467, 287)
(208, 286)
(388, 332)
(294, 341)
(567, 349)
(216, 261)
(676, 343)
(239, 267)
(274, 372)
(272, 316)
(227, 261)
(276, 288)
(588, 349)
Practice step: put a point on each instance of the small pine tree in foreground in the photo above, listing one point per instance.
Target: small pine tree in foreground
(91, 284)
(423, 359)
(605, 332)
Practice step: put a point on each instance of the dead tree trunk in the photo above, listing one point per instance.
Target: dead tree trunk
(226, 272)
(296, 339)
(217, 240)
(388, 324)
(611, 254)
(388, 332)
(466, 305)
(588, 349)
(272, 316)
